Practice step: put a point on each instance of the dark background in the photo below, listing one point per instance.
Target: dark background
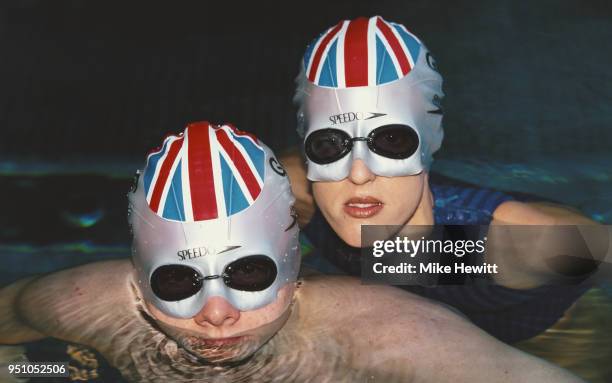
(97, 79)
(88, 87)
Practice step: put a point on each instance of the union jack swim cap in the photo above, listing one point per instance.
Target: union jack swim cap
(361, 52)
(209, 197)
(204, 173)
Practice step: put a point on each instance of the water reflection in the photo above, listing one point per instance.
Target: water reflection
(580, 341)
(83, 220)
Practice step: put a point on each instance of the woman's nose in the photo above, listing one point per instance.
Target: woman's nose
(217, 312)
(360, 173)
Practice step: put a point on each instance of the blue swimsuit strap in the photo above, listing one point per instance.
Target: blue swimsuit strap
(461, 203)
(457, 205)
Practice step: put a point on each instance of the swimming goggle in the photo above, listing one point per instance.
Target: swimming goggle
(393, 141)
(177, 282)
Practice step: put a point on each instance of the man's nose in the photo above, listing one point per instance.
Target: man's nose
(217, 312)
(360, 173)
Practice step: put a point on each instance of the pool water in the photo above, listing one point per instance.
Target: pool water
(56, 216)
(580, 181)
(581, 341)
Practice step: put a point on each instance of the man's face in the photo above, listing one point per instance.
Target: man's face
(221, 333)
(364, 198)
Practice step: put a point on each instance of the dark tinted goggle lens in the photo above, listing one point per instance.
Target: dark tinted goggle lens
(327, 145)
(394, 141)
(253, 273)
(177, 282)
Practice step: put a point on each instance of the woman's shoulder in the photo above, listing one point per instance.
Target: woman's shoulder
(461, 203)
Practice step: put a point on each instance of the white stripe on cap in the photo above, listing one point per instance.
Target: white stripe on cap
(314, 51)
(341, 78)
(324, 58)
(215, 150)
(160, 163)
(403, 45)
(237, 176)
(186, 188)
(372, 54)
(244, 153)
(398, 68)
(166, 189)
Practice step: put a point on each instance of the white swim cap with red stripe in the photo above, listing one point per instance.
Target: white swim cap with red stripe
(370, 67)
(208, 197)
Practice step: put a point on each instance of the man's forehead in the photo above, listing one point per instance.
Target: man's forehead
(205, 252)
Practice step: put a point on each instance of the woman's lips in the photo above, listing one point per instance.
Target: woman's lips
(363, 207)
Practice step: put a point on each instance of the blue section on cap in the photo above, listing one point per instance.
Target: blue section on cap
(174, 208)
(414, 47)
(234, 199)
(328, 72)
(256, 154)
(310, 50)
(386, 70)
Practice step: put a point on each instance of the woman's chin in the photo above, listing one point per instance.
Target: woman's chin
(350, 235)
(354, 242)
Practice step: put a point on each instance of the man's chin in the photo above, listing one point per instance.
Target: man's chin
(228, 350)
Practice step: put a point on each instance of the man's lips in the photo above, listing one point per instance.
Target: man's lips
(221, 341)
(363, 207)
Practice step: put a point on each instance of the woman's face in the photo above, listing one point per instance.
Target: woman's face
(363, 198)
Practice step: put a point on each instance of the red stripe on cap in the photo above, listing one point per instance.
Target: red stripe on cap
(240, 163)
(395, 46)
(356, 53)
(164, 171)
(201, 177)
(320, 49)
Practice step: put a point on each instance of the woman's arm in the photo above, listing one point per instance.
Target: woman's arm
(538, 213)
(541, 243)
